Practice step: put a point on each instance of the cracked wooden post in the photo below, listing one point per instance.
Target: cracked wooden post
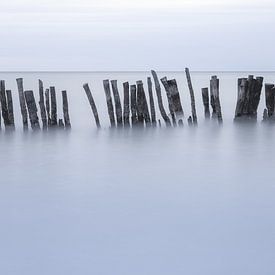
(118, 107)
(22, 102)
(53, 107)
(175, 98)
(152, 104)
(4, 106)
(133, 90)
(205, 99)
(92, 104)
(144, 105)
(192, 96)
(140, 117)
(66, 110)
(126, 105)
(270, 99)
(106, 85)
(10, 109)
(214, 83)
(42, 105)
(242, 91)
(47, 99)
(32, 110)
(160, 103)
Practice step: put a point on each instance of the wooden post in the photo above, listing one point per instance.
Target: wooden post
(242, 90)
(214, 83)
(117, 103)
(133, 90)
(126, 103)
(42, 105)
(4, 106)
(47, 97)
(60, 123)
(92, 104)
(66, 110)
(53, 107)
(160, 103)
(205, 99)
(22, 101)
(10, 108)
(192, 96)
(140, 116)
(175, 98)
(144, 105)
(170, 103)
(270, 99)
(152, 104)
(107, 90)
(180, 123)
(32, 110)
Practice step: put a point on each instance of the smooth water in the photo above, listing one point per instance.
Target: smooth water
(156, 201)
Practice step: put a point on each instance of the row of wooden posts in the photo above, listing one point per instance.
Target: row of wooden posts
(28, 107)
(136, 111)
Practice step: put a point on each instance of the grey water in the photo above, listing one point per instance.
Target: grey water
(156, 201)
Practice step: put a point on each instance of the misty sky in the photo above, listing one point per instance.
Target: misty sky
(137, 35)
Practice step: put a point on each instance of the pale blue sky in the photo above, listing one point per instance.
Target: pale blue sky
(137, 35)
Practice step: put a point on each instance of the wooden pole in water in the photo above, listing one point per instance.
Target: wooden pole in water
(144, 105)
(66, 110)
(205, 99)
(53, 107)
(175, 98)
(47, 98)
(118, 107)
(107, 90)
(32, 110)
(4, 106)
(152, 104)
(192, 96)
(160, 103)
(42, 105)
(22, 101)
(126, 103)
(10, 108)
(270, 99)
(140, 116)
(133, 89)
(61, 124)
(92, 104)
(214, 83)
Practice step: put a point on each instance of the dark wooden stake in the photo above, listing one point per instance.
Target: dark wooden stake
(10, 108)
(192, 96)
(66, 110)
(205, 99)
(214, 84)
(42, 105)
(117, 103)
(152, 104)
(92, 104)
(270, 99)
(126, 105)
(106, 85)
(47, 99)
(53, 107)
(4, 106)
(160, 103)
(32, 110)
(144, 105)
(22, 101)
(133, 90)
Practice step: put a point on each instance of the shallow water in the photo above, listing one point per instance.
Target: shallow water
(158, 201)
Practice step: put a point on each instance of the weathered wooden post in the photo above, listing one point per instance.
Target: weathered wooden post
(144, 105)
(53, 107)
(66, 110)
(242, 91)
(42, 105)
(152, 104)
(160, 103)
(214, 84)
(110, 107)
(140, 116)
(205, 99)
(32, 110)
(10, 108)
(117, 103)
(133, 89)
(126, 105)
(270, 99)
(61, 124)
(92, 104)
(192, 96)
(22, 101)
(47, 98)
(4, 106)
(175, 98)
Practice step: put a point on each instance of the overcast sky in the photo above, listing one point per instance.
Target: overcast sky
(137, 35)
